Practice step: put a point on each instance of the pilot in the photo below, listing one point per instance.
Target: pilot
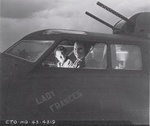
(79, 52)
(63, 59)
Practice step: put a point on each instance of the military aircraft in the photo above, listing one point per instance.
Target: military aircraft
(112, 88)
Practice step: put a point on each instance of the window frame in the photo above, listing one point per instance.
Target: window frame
(129, 44)
(84, 41)
(20, 58)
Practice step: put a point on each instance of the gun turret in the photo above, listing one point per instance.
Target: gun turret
(98, 19)
(113, 12)
(137, 25)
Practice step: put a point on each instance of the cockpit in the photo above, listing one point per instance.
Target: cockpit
(127, 57)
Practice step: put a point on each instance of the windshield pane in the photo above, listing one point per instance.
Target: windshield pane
(30, 50)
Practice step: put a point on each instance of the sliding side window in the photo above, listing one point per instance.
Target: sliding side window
(127, 57)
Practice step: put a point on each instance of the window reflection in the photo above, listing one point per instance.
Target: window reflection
(30, 50)
(126, 57)
(96, 58)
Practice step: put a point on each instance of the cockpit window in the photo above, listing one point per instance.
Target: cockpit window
(78, 54)
(126, 57)
(97, 57)
(30, 50)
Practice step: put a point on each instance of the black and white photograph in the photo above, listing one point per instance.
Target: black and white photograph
(74, 62)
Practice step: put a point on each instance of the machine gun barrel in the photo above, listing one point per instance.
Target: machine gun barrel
(98, 19)
(113, 11)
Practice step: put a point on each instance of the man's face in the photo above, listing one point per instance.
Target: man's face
(79, 50)
(60, 56)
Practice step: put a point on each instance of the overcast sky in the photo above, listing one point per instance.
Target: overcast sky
(21, 17)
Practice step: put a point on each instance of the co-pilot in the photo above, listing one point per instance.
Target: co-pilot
(63, 59)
